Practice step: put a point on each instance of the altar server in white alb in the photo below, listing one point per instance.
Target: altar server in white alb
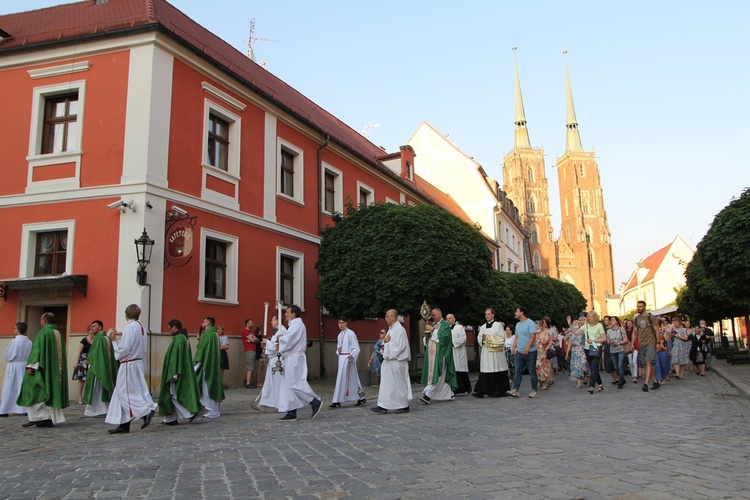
(395, 385)
(460, 361)
(348, 387)
(16, 355)
(131, 398)
(269, 395)
(295, 392)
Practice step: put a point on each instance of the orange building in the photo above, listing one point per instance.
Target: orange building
(124, 117)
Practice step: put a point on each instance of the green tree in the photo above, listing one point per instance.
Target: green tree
(545, 296)
(704, 298)
(725, 249)
(386, 256)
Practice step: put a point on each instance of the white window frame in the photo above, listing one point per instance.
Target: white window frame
(232, 275)
(28, 244)
(299, 274)
(338, 188)
(391, 200)
(235, 132)
(299, 171)
(361, 186)
(35, 158)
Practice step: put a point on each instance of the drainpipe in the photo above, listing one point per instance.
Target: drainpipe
(327, 139)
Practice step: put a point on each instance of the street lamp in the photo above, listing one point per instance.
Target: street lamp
(143, 247)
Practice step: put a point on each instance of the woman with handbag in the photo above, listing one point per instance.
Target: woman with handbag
(493, 369)
(544, 347)
(616, 338)
(510, 344)
(595, 337)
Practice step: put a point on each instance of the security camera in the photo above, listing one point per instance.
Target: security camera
(123, 205)
(117, 204)
(179, 211)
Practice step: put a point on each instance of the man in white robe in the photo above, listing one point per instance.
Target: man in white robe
(460, 361)
(131, 398)
(348, 386)
(438, 372)
(16, 355)
(269, 394)
(395, 384)
(294, 391)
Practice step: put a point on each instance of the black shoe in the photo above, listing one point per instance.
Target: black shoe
(477, 394)
(253, 386)
(402, 410)
(119, 430)
(45, 423)
(361, 402)
(619, 386)
(378, 409)
(3, 414)
(334, 405)
(248, 386)
(316, 406)
(655, 386)
(193, 417)
(288, 417)
(173, 422)
(147, 419)
(644, 388)
(29, 424)
(425, 400)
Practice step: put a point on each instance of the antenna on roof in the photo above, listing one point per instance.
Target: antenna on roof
(251, 39)
(366, 128)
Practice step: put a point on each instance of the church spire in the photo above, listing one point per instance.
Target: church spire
(573, 138)
(522, 133)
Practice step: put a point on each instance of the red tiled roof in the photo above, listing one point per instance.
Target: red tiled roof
(652, 263)
(70, 22)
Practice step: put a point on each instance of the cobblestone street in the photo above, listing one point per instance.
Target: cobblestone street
(686, 440)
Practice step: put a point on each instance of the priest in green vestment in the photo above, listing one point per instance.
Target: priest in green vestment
(44, 390)
(179, 393)
(208, 369)
(438, 373)
(102, 374)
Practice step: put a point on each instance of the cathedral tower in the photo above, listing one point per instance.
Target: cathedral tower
(584, 247)
(525, 182)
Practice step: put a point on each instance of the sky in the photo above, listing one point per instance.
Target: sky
(660, 89)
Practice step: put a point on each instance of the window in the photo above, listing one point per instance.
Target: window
(60, 124)
(286, 278)
(333, 198)
(218, 142)
(287, 173)
(592, 258)
(583, 172)
(290, 277)
(221, 142)
(532, 206)
(365, 194)
(47, 249)
(290, 171)
(530, 175)
(219, 267)
(51, 253)
(216, 270)
(537, 261)
(409, 173)
(534, 235)
(593, 287)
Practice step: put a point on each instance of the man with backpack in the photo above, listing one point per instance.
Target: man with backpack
(647, 327)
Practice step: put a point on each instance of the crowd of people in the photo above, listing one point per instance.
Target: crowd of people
(111, 372)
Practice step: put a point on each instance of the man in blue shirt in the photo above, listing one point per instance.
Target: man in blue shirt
(525, 352)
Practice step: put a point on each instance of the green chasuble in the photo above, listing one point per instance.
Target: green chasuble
(444, 352)
(207, 354)
(179, 363)
(102, 368)
(49, 384)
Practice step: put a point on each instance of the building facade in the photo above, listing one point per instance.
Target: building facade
(581, 254)
(128, 117)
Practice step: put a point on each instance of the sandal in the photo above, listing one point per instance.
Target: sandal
(591, 390)
(600, 389)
